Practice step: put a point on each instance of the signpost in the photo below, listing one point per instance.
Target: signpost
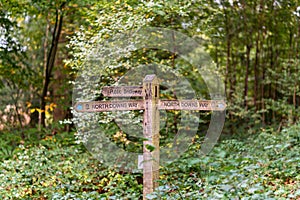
(151, 106)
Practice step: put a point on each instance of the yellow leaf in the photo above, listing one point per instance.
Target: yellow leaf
(47, 114)
(52, 106)
(28, 104)
(32, 110)
(39, 110)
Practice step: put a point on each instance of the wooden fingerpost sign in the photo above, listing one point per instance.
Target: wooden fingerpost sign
(151, 134)
(151, 106)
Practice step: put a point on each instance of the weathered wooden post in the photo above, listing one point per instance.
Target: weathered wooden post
(151, 134)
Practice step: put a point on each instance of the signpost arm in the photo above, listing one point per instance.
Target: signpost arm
(151, 106)
(151, 134)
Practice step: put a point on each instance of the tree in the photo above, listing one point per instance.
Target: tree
(43, 35)
(13, 72)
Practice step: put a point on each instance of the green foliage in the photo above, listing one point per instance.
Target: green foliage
(56, 169)
(263, 166)
(11, 139)
(261, 76)
(255, 45)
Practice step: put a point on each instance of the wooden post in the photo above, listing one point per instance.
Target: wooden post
(151, 134)
(151, 106)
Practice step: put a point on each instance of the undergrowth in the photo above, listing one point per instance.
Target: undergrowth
(262, 166)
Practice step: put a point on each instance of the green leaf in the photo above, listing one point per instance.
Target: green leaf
(150, 147)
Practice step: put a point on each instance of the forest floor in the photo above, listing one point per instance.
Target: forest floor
(265, 165)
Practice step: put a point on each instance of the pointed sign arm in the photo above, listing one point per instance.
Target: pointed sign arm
(215, 105)
(104, 106)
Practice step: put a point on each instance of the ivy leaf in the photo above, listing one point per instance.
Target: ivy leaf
(150, 147)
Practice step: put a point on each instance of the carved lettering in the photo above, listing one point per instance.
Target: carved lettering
(122, 91)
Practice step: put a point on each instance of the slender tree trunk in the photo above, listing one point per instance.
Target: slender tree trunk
(297, 87)
(274, 96)
(45, 46)
(228, 73)
(263, 71)
(256, 96)
(233, 78)
(228, 52)
(50, 61)
(272, 86)
(262, 97)
(256, 73)
(248, 34)
(15, 99)
(246, 77)
(291, 71)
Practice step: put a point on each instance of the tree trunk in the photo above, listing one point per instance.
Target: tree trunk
(228, 52)
(233, 78)
(50, 61)
(262, 97)
(256, 73)
(41, 121)
(246, 77)
(228, 73)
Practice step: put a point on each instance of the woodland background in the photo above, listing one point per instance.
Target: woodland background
(255, 45)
